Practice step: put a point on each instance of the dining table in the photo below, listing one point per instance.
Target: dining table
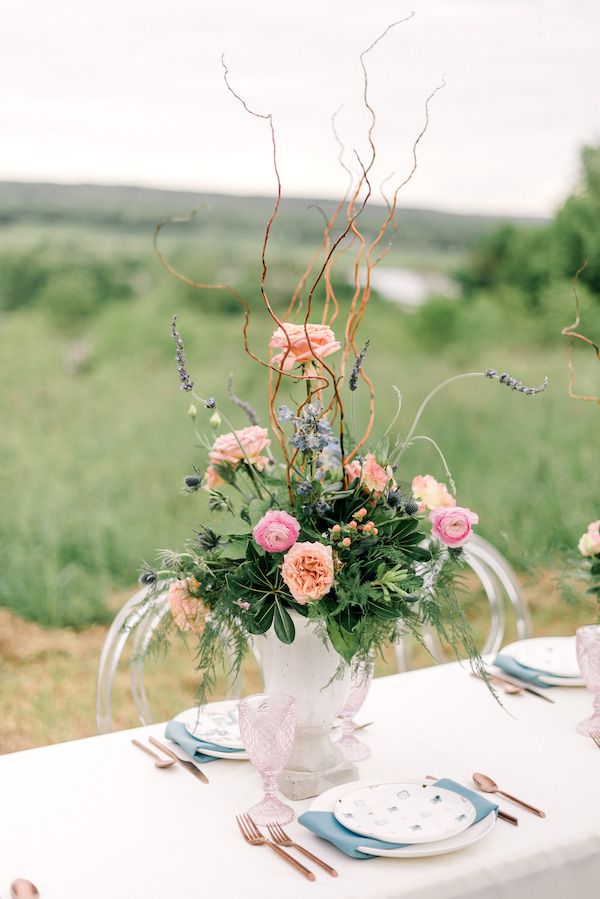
(95, 819)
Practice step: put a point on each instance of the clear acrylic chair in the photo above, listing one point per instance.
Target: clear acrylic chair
(502, 590)
(135, 626)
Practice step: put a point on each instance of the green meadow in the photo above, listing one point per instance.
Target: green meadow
(95, 437)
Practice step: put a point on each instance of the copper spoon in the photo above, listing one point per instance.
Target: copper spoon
(487, 785)
(160, 763)
(23, 889)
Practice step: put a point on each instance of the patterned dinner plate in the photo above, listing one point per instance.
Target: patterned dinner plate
(404, 812)
(216, 722)
(555, 656)
(326, 802)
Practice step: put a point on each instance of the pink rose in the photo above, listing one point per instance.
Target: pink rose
(374, 476)
(589, 544)
(322, 343)
(431, 493)
(276, 531)
(188, 613)
(452, 526)
(211, 479)
(307, 570)
(226, 449)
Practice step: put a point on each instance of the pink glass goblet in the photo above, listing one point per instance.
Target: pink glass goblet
(267, 726)
(587, 641)
(354, 749)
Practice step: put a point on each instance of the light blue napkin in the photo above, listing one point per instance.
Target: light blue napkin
(178, 733)
(515, 669)
(325, 825)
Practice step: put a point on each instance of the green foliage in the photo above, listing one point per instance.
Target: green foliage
(531, 259)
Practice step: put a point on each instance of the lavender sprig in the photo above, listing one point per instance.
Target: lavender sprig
(243, 405)
(186, 381)
(514, 384)
(353, 380)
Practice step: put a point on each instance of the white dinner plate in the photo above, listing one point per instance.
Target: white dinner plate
(326, 802)
(404, 812)
(216, 722)
(555, 656)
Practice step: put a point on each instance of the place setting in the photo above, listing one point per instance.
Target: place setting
(197, 736)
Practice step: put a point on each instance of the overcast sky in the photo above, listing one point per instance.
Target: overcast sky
(131, 91)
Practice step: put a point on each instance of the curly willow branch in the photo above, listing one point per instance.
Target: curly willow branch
(280, 373)
(573, 334)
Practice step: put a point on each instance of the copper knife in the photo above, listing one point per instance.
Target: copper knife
(509, 679)
(189, 766)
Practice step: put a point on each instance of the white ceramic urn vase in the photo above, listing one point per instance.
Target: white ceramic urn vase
(305, 669)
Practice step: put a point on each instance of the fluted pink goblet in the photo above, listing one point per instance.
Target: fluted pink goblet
(354, 749)
(587, 641)
(267, 726)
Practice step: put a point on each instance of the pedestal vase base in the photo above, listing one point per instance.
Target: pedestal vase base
(306, 784)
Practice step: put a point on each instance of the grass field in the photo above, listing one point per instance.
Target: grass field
(95, 436)
(48, 676)
(92, 462)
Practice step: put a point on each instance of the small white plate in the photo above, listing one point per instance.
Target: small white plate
(404, 812)
(555, 656)
(216, 722)
(326, 802)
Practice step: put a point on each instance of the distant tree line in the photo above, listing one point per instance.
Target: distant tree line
(533, 258)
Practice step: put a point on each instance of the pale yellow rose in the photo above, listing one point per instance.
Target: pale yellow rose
(589, 544)
(431, 494)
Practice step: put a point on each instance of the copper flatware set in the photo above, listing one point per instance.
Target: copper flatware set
(173, 759)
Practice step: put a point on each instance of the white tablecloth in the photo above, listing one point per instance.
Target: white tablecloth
(93, 819)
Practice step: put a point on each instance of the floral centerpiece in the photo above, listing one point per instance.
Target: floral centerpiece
(317, 531)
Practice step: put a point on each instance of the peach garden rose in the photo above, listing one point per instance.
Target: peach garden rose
(307, 570)
(226, 449)
(431, 494)
(452, 526)
(187, 611)
(212, 479)
(322, 343)
(374, 476)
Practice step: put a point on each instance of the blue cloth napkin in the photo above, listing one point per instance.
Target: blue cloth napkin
(178, 733)
(325, 825)
(515, 669)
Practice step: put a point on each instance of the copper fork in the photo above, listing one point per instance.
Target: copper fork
(279, 836)
(595, 735)
(254, 837)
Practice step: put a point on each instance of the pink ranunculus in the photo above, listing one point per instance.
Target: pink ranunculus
(321, 342)
(307, 570)
(431, 494)
(589, 544)
(452, 526)
(226, 449)
(188, 613)
(374, 476)
(212, 479)
(276, 531)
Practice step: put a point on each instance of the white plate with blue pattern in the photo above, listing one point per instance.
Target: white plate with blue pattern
(405, 812)
(216, 722)
(326, 802)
